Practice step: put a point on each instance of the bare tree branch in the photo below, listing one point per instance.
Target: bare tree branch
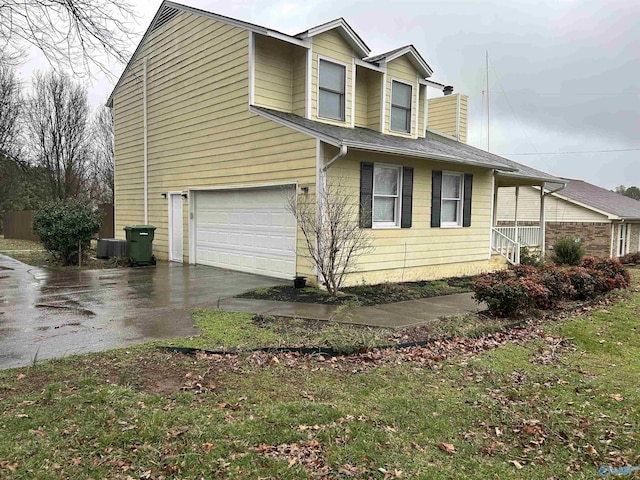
(331, 231)
(102, 156)
(11, 109)
(72, 34)
(58, 125)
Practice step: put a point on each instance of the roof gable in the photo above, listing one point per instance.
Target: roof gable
(345, 31)
(412, 54)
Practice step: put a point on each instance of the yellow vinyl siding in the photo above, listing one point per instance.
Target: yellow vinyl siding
(556, 209)
(273, 73)
(443, 115)
(421, 99)
(368, 94)
(420, 251)
(401, 69)
(375, 100)
(464, 107)
(200, 132)
(299, 81)
(362, 97)
(331, 46)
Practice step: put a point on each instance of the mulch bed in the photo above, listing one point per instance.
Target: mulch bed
(365, 295)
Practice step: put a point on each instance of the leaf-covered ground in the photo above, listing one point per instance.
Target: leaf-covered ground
(550, 399)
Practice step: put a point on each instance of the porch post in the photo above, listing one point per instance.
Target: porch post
(542, 222)
(494, 212)
(515, 220)
(494, 209)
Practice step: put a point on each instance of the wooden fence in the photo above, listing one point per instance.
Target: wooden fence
(19, 224)
(107, 229)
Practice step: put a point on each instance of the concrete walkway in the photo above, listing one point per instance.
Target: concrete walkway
(391, 315)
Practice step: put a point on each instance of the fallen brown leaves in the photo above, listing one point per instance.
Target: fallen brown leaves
(447, 447)
(427, 356)
(308, 455)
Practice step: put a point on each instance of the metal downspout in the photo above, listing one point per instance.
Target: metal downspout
(341, 153)
(145, 159)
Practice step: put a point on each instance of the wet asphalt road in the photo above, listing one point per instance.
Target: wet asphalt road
(54, 313)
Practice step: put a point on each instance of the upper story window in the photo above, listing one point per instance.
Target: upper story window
(401, 94)
(451, 199)
(331, 90)
(386, 195)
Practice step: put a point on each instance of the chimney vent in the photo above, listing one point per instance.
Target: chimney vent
(448, 90)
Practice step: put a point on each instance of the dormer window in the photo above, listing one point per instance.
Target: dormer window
(331, 90)
(401, 94)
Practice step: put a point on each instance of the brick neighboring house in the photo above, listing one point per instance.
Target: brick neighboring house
(607, 223)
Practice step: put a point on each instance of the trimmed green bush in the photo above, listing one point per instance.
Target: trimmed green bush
(567, 251)
(63, 225)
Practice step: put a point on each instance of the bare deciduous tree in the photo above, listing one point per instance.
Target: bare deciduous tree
(101, 168)
(11, 108)
(70, 33)
(58, 125)
(331, 231)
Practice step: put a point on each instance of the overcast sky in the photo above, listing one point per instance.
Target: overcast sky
(564, 76)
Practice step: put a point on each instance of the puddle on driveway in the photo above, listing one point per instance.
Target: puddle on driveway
(63, 312)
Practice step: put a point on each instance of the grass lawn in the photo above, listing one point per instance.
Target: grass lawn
(553, 399)
(33, 253)
(233, 332)
(26, 251)
(365, 295)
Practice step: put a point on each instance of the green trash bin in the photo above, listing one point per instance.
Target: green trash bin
(139, 244)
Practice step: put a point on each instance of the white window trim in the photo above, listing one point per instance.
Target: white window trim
(396, 222)
(346, 76)
(460, 201)
(409, 84)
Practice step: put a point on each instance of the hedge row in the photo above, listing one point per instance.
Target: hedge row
(525, 287)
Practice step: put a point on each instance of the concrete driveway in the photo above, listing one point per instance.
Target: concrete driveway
(55, 313)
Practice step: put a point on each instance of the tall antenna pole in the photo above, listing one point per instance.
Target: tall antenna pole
(488, 123)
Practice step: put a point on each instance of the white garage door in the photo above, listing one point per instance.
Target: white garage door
(248, 230)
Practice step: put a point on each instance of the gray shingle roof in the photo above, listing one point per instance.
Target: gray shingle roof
(375, 58)
(601, 199)
(433, 146)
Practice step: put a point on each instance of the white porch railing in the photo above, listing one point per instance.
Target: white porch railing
(505, 246)
(526, 236)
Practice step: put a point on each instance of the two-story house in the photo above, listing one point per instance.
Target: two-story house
(217, 120)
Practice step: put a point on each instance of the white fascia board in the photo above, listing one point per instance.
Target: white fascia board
(330, 140)
(352, 38)
(429, 83)
(371, 66)
(417, 61)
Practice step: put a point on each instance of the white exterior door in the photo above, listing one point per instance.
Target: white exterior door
(175, 227)
(246, 229)
(622, 239)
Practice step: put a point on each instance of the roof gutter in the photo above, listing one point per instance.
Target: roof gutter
(341, 153)
(564, 185)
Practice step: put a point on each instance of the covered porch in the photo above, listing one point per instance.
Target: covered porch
(508, 237)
